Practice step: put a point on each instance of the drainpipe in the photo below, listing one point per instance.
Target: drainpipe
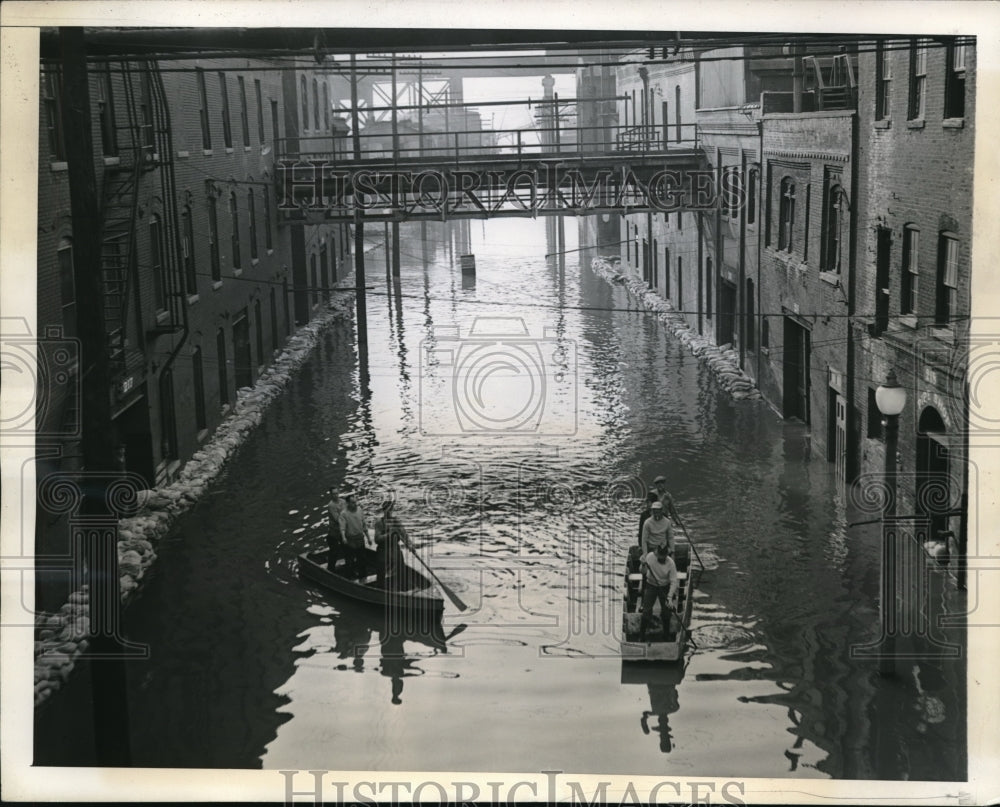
(797, 76)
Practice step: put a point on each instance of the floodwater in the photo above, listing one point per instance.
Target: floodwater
(525, 504)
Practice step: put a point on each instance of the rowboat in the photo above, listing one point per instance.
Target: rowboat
(663, 645)
(407, 590)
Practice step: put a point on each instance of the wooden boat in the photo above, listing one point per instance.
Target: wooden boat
(408, 590)
(660, 645)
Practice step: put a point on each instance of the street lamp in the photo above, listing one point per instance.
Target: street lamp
(890, 398)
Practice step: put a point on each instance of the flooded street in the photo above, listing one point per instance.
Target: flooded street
(250, 667)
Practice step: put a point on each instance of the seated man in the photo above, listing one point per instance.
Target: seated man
(661, 584)
(656, 530)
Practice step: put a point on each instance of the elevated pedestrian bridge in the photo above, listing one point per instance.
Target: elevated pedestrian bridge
(411, 175)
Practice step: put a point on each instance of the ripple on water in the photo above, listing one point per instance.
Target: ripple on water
(722, 637)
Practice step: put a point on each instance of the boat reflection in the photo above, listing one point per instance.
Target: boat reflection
(661, 683)
(403, 638)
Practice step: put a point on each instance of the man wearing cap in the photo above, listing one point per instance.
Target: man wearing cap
(661, 584)
(354, 528)
(660, 483)
(656, 530)
(335, 537)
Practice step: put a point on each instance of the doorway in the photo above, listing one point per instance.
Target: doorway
(796, 375)
(933, 493)
(727, 313)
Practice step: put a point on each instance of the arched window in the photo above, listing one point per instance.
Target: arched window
(253, 224)
(304, 92)
(234, 216)
(833, 225)
(156, 262)
(786, 214)
(187, 251)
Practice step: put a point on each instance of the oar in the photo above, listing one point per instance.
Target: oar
(461, 606)
(688, 536)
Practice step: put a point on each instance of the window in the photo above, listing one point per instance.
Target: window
(304, 92)
(234, 219)
(753, 177)
(911, 270)
(677, 113)
(666, 269)
(106, 112)
(786, 214)
(206, 131)
(731, 193)
(680, 284)
(883, 81)
(187, 251)
(326, 107)
(200, 421)
(168, 421)
(259, 323)
(954, 88)
(874, 417)
(51, 88)
(765, 334)
(244, 115)
(324, 271)
(833, 226)
(947, 279)
(284, 299)
(146, 112)
(918, 78)
(253, 224)
(220, 351)
(275, 129)
(260, 110)
(213, 240)
(315, 105)
(67, 288)
(227, 133)
(274, 321)
(708, 287)
(268, 243)
(156, 263)
(314, 280)
(751, 323)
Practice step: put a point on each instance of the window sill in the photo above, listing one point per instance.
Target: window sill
(916, 124)
(216, 285)
(943, 333)
(908, 320)
(59, 166)
(833, 278)
(254, 261)
(247, 148)
(162, 316)
(270, 251)
(192, 299)
(765, 351)
(202, 435)
(112, 161)
(183, 154)
(207, 152)
(237, 272)
(229, 149)
(953, 123)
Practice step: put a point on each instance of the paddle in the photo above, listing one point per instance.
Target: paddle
(461, 606)
(687, 535)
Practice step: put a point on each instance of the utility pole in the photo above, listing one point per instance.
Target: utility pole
(361, 307)
(98, 530)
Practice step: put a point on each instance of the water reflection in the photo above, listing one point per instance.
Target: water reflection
(661, 686)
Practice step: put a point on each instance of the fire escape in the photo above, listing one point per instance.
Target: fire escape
(146, 149)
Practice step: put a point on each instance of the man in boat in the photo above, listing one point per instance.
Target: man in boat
(354, 529)
(389, 533)
(334, 537)
(660, 487)
(660, 575)
(656, 530)
(647, 512)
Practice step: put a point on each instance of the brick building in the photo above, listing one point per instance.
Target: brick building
(916, 129)
(199, 270)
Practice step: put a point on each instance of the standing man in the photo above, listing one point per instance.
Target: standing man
(335, 536)
(651, 497)
(661, 584)
(656, 530)
(354, 528)
(389, 533)
(660, 484)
